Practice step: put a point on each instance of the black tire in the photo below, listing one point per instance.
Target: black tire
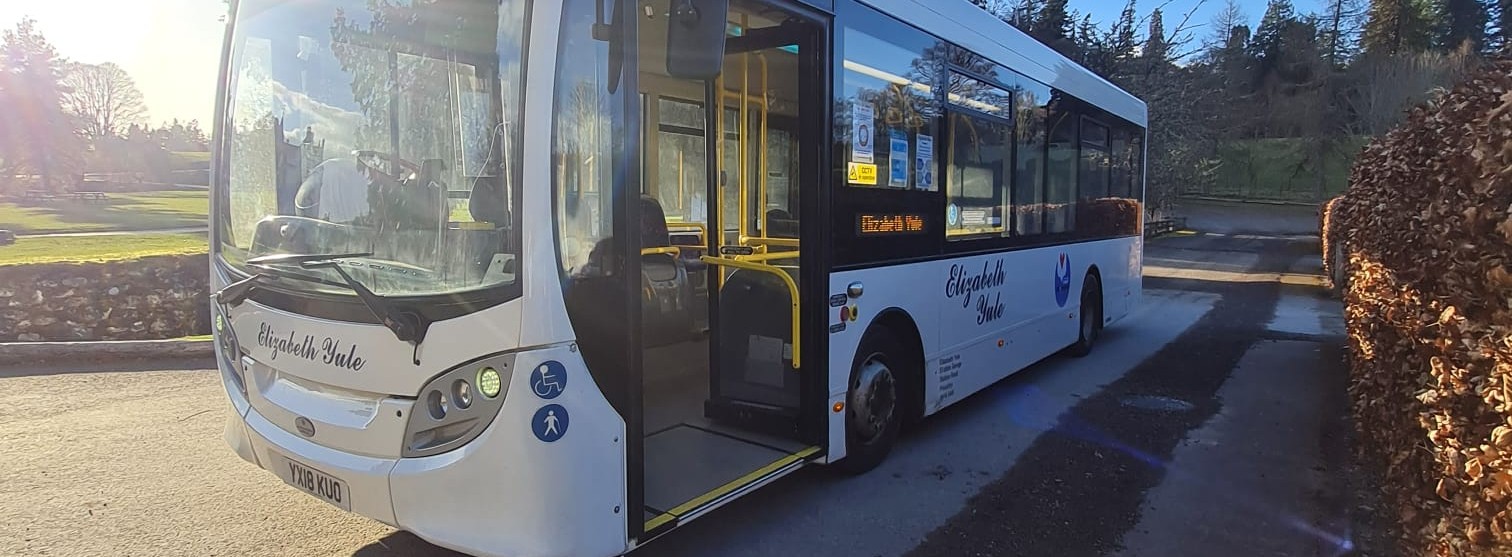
(880, 362)
(1090, 326)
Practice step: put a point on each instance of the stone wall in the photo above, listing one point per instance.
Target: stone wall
(148, 298)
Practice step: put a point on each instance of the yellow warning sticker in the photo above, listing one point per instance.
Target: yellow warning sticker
(862, 173)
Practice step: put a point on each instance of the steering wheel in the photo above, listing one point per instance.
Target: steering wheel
(407, 168)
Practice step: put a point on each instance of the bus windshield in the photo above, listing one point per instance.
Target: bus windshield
(385, 128)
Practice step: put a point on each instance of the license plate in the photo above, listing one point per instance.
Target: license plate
(320, 484)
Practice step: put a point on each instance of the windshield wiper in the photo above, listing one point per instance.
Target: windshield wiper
(408, 326)
(233, 294)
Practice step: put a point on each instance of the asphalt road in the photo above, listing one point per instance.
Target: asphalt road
(1209, 423)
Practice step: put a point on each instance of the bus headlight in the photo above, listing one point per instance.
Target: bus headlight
(488, 382)
(449, 412)
(227, 347)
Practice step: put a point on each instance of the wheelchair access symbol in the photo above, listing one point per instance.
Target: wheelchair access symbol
(549, 379)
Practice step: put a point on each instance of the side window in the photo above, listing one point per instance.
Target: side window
(1121, 181)
(1095, 163)
(979, 149)
(1031, 108)
(891, 144)
(681, 169)
(1060, 183)
(888, 111)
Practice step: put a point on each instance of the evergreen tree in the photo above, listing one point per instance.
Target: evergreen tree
(1053, 23)
(1460, 22)
(1157, 46)
(1024, 13)
(1268, 42)
(1121, 36)
(1397, 27)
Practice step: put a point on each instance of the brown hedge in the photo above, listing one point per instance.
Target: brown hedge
(1427, 228)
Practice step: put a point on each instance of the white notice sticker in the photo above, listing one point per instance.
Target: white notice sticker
(863, 132)
(924, 162)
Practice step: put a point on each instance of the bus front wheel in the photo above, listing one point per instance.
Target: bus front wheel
(873, 410)
(1090, 326)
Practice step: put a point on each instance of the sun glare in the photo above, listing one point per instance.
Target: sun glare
(169, 47)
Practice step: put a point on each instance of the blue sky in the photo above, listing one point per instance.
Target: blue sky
(171, 46)
(1106, 11)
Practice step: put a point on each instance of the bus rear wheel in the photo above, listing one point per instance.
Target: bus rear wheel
(873, 411)
(1090, 326)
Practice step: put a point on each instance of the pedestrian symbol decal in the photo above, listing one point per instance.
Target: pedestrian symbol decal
(549, 379)
(550, 423)
(1062, 280)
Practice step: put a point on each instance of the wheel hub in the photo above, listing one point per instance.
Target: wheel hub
(872, 400)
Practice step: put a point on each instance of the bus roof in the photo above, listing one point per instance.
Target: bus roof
(993, 38)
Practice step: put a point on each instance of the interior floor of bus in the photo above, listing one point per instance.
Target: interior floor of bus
(690, 459)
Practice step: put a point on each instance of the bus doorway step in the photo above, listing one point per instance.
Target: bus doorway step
(753, 416)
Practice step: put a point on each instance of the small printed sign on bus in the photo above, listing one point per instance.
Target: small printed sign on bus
(862, 173)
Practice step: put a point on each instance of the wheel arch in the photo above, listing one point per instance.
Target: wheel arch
(901, 323)
(1102, 287)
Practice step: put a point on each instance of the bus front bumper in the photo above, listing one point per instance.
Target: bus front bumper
(505, 493)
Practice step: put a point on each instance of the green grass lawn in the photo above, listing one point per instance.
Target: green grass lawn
(122, 211)
(99, 248)
(1280, 168)
(184, 159)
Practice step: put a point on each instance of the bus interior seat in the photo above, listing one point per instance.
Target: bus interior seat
(667, 313)
(781, 224)
(488, 201)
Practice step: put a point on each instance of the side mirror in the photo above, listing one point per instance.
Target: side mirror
(696, 38)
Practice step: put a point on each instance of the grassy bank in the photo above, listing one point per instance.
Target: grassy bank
(99, 248)
(1282, 169)
(121, 211)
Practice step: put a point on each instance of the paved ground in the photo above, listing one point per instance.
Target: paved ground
(1209, 423)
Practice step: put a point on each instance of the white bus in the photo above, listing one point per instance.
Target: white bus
(539, 277)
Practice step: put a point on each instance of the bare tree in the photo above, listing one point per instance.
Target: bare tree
(1223, 23)
(104, 98)
(1385, 87)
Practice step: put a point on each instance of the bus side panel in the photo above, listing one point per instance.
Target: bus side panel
(1027, 300)
(910, 288)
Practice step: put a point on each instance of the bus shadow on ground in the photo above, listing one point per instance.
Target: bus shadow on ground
(402, 543)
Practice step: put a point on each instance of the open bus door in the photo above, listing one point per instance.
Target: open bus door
(726, 403)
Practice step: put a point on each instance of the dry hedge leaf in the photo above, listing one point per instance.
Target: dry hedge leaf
(1426, 231)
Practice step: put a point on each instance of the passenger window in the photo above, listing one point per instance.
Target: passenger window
(1095, 162)
(980, 152)
(681, 171)
(1031, 104)
(888, 112)
(1060, 183)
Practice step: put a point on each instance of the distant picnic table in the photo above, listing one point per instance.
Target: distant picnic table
(38, 195)
(90, 196)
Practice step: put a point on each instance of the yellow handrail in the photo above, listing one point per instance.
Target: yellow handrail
(792, 293)
(763, 241)
(664, 250)
(768, 256)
